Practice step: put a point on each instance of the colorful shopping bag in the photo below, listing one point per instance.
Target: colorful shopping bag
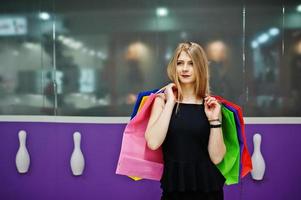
(142, 100)
(140, 96)
(229, 166)
(239, 135)
(136, 159)
(246, 161)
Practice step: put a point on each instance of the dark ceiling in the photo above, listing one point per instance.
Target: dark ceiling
(16, 6)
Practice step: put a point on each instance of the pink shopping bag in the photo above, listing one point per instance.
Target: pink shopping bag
(135, 158)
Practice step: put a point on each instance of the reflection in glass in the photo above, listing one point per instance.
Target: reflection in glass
(84, 59)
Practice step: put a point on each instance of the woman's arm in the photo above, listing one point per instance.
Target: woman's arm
(216, 145)
(158, 122)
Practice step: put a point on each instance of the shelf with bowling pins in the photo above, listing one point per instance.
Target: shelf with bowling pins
(77, 160)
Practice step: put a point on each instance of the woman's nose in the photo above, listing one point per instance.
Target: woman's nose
(185, 67)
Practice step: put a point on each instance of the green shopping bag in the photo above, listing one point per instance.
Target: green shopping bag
(229, 166)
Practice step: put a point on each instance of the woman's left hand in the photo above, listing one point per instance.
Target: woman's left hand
(212, 108)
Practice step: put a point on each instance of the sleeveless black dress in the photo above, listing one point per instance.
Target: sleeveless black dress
(188, 171)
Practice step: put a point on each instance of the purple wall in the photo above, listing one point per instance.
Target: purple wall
(50, 146)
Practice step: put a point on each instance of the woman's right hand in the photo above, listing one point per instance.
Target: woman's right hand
(170, 91)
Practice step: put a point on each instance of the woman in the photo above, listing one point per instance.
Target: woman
(186, 121)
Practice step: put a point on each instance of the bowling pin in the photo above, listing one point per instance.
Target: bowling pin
(22, 157)
(257, 159)
(77, 160)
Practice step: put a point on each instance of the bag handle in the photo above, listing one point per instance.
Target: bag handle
(160, 90)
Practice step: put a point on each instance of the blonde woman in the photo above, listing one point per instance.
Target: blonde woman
(186, 121)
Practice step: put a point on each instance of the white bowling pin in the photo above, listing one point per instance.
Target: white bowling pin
(77, 160)
(257, 159)
(22, 157)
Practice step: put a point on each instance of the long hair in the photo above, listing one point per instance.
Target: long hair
(200, 65)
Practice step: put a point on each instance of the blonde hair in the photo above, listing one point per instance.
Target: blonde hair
(200, 65)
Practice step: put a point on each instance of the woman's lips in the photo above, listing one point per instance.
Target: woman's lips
(185, 76)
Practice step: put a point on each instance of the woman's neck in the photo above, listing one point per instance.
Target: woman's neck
(188, 94)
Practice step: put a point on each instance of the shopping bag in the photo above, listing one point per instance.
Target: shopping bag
(229, 166)
(239, 135)
(141, 96)
(246, 161)
(136, 159)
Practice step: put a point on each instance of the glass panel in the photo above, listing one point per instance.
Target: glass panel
(91, 59)
(290, 87)
(25, 44)
(272, 59)
(108, 53)
(103, 53)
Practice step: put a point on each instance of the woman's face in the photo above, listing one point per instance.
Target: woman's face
(185, 69)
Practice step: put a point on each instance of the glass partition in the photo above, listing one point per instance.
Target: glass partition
(92, 59)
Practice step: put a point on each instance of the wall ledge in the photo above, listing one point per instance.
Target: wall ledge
(124, 120)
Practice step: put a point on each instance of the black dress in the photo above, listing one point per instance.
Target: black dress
(188, 171)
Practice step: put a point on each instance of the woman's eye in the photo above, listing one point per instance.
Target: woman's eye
(179, 63)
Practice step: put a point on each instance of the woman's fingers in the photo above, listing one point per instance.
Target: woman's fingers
(209, 97)
(210, 101)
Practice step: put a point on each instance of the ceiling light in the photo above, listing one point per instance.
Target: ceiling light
(162, 12)
(44, 16)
